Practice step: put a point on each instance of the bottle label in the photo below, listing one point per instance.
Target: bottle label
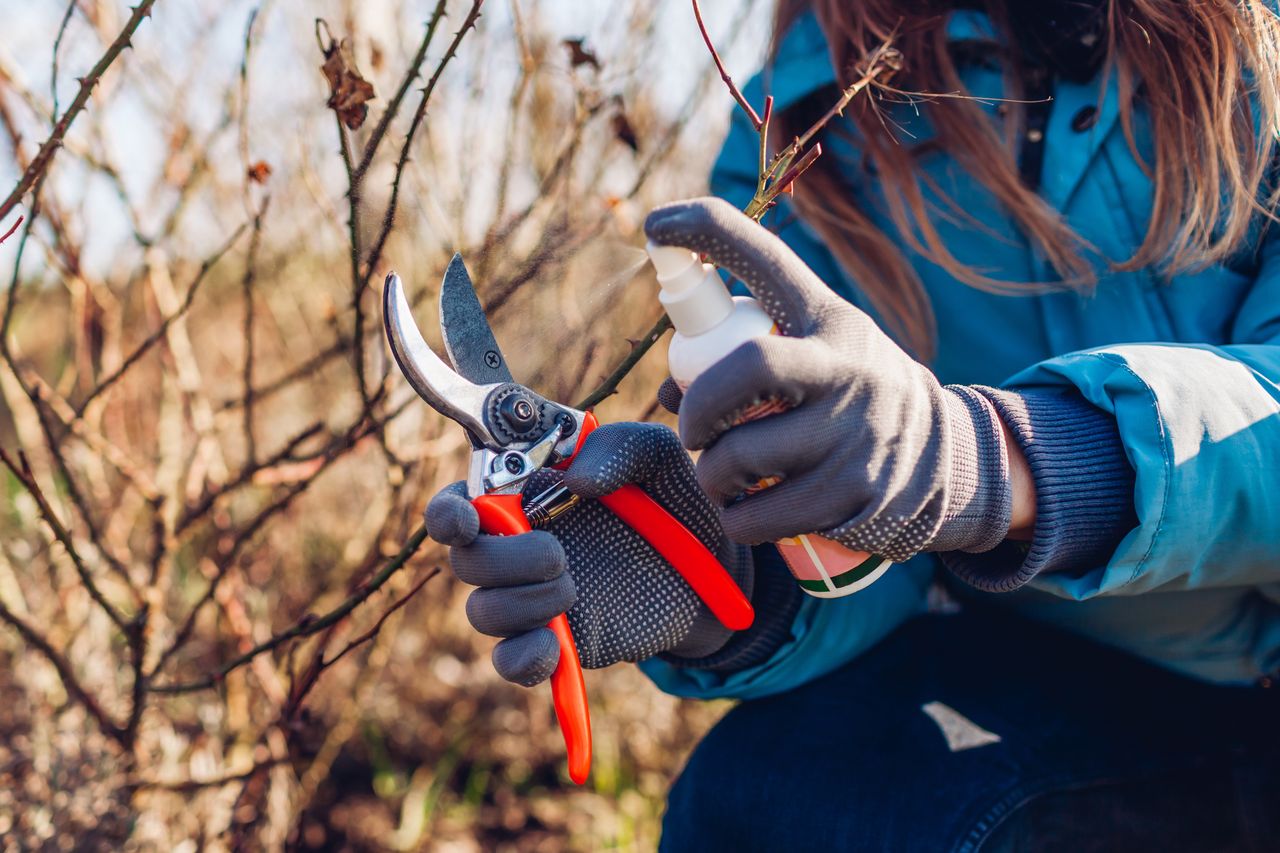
(823, 568)
(827, 569)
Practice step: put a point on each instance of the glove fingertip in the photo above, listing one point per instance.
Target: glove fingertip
(675, 223)
(670, 396)
(528, 659)
(621, 453)
(451, 519)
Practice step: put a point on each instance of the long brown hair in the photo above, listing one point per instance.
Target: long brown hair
(1206, 73)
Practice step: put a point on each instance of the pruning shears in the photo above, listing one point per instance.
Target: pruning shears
(516, 432)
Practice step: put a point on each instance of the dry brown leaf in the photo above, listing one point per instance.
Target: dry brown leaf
(259, 172)
(349, 93)
(579, 55)
(624, 132)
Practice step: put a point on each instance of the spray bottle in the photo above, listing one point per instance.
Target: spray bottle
(709, 324)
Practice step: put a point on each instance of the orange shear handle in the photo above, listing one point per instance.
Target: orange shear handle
(685, 552)
(502, 515)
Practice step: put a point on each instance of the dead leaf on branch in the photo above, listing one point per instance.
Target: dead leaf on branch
(349, 92)
(624, 132)
(259, 172)
(579, 54)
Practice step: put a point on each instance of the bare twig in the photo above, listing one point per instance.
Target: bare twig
(11, 298)
(14, 227)
(388, 219)
(308, 626)
(50, 146)
(229, 545)
(382, 620)
(66, 674)
(285, 380)
(756, 121)
(158, 334)
(187, 786)
(393, 106)
(22, 471)
(638, 348)
(245, 475)
(53, 63)
(247, 294)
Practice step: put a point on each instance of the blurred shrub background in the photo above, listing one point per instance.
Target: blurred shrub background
(207, 446)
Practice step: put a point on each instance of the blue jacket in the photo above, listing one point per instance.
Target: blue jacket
(1190, 367)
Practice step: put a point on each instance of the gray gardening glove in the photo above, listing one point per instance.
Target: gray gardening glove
(625, 603)
(873, 452)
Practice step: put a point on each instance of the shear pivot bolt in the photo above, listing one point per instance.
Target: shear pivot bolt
(513, 463)
(519, 413)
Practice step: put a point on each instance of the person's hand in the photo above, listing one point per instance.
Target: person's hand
(872, 452)
(624, 602)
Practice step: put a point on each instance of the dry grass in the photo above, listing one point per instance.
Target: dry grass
(215, 449)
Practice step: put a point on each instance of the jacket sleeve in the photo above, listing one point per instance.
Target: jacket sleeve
(1200, 425)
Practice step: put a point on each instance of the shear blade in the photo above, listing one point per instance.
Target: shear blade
(444, 390)
(468, 338)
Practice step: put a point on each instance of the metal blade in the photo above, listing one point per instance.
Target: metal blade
(468, 339)
(444, 390)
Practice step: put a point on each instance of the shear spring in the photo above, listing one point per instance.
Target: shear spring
(550, 504)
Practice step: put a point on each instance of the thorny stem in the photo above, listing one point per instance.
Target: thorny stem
(393, 106)
(638, 348)
(388, 219)
(353, 237)
(45, 155)
(363, 265)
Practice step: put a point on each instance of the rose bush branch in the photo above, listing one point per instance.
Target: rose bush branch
(775, 175)
(50, 146)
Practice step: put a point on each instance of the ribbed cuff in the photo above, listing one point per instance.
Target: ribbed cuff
(979, 499)
(1084, 489)
(776, 598)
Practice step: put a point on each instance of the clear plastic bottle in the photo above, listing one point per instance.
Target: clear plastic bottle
(709, 324)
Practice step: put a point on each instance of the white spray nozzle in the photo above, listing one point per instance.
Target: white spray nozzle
(677, 268)
(692, 292)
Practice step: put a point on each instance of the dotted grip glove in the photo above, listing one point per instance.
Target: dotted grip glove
(624, 601)
(872, 451)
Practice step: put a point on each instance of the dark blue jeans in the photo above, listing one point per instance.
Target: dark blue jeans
(1096, 751)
